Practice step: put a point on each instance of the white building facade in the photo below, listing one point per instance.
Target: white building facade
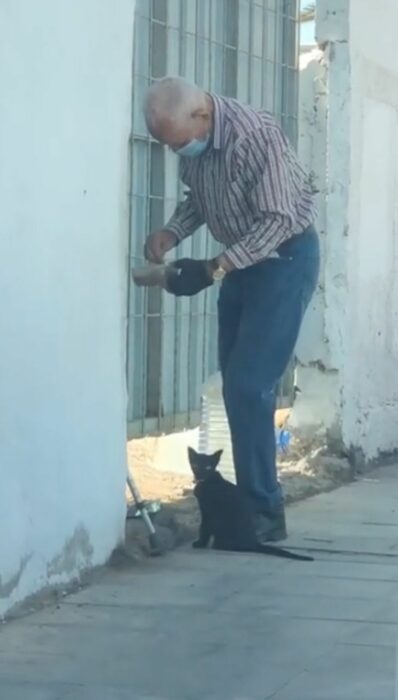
(349, 138)
(65, 86)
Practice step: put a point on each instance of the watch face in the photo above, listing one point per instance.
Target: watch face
(218, 274)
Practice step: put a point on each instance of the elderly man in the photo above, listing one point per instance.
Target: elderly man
(244, 181)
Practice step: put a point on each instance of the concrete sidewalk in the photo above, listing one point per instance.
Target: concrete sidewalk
(201, 626)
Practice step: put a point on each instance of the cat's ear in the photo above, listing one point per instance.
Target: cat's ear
(192, 456)
(215, 458)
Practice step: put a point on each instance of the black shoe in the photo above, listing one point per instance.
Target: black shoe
(271, 527)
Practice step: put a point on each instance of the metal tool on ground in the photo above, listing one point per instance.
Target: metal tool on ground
(142, 509)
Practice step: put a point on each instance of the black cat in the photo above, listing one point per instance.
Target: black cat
(226, 513)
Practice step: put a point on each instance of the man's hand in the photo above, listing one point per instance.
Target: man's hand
(158, 244)
(187, 277)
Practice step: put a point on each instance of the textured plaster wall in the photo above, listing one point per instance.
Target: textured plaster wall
(370, 386)
(353, 337)
(65, 87)
(316, 408)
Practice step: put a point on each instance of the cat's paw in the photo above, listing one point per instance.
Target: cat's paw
(198, 544)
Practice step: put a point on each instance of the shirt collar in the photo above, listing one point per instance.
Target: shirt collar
(218, 121)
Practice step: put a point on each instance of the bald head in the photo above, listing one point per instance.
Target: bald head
(176, 111)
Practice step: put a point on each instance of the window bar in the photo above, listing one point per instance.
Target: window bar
(161, 293)
(130, 219)
(192, 303)
(147, 220)
(250, 44)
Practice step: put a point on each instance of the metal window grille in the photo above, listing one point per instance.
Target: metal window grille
(241, 48)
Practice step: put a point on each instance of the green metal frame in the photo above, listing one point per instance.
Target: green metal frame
(243, 48)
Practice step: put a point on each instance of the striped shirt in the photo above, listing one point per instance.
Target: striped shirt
(248, 187)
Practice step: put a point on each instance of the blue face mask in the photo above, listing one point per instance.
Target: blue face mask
(194, 148)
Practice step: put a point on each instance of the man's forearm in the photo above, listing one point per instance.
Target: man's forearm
(185, 220)
(259, 243)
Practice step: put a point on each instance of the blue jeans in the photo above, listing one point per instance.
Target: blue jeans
(260, 311)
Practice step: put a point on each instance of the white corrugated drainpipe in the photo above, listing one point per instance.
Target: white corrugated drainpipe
(214, 429)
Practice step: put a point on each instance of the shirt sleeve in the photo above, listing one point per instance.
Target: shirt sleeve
(186, 218)
(263, 160)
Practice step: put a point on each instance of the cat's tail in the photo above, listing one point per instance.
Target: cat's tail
(280, 552)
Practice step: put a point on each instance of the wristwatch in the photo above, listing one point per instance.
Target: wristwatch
(217, 271)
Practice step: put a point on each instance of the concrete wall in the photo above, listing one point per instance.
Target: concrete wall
(358, 351)
(371, 373)
(65, 87)
(316, 408)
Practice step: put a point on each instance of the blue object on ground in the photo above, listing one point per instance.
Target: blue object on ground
(283, 438)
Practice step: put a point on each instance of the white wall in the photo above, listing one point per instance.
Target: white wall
(371, 372)
(360, 214)
(65, 91)
(316, 407)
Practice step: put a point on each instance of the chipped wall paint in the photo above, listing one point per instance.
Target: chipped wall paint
(370, 386)
(8, 586)
(356, 359)
(66, 94)
(317, 406)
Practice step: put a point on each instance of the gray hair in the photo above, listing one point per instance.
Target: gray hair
(172, 98)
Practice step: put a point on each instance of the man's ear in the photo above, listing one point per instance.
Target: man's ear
(203, 114)
(200, 112)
